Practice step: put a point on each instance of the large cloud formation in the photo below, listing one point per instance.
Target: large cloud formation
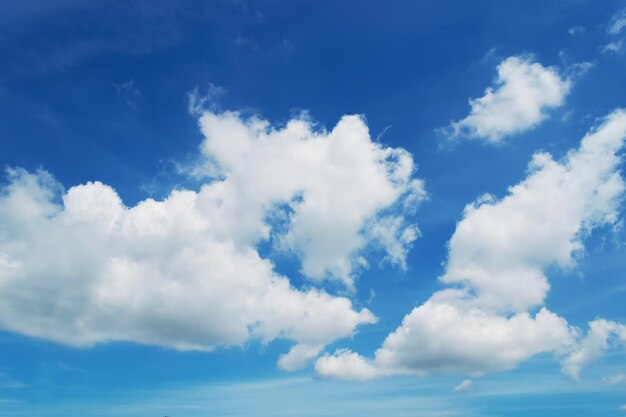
(80, 267)
(497, 258)
(523, 93)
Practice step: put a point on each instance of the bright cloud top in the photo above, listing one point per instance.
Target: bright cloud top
(496, 263)
(80, 267)
(334, 191)
(523, 93)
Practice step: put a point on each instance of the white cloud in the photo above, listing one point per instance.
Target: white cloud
(501, 248)
(612, 47)
(615, 379)
(394, 237)
(442, 336)
(520, 99)
(577, 30)
(618, 22)
(347, 365)
(299, 356)
(93, 270)
(463, 386)
(128, 92)
(496, 263)
(198, 102)
(334, 187)
(80, 267)
(598, 339)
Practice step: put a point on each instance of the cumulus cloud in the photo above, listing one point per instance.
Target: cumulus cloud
(463, 386)
(80, 267)
(496, 262)
(439, 337)
(523, 93)
(617, 23)
(339, 190)
(299, 356)
(347, 365)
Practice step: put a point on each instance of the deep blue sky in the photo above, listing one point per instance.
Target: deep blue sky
(99, 91)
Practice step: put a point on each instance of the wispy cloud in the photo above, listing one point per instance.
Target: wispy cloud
(463, 386)
(8, 382)
(95, 32)
(613, 47)
(617, 23)
(128, 92)
(577, 31)
(205, 99)
(615, 379)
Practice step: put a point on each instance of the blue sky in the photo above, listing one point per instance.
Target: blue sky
(312, 209)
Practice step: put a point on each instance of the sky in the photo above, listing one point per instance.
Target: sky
(351, 209)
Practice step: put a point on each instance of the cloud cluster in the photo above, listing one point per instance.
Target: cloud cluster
(523, 93)
(496, 263)
(80, 267)
(615, 28)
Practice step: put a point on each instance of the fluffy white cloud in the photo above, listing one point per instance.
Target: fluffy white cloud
(80, 267)
(92, 270)
(496, 263)
(334, 188)
(519, 100)
(618, 22)
(347, 365)
(501, 248)
(440, 336)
